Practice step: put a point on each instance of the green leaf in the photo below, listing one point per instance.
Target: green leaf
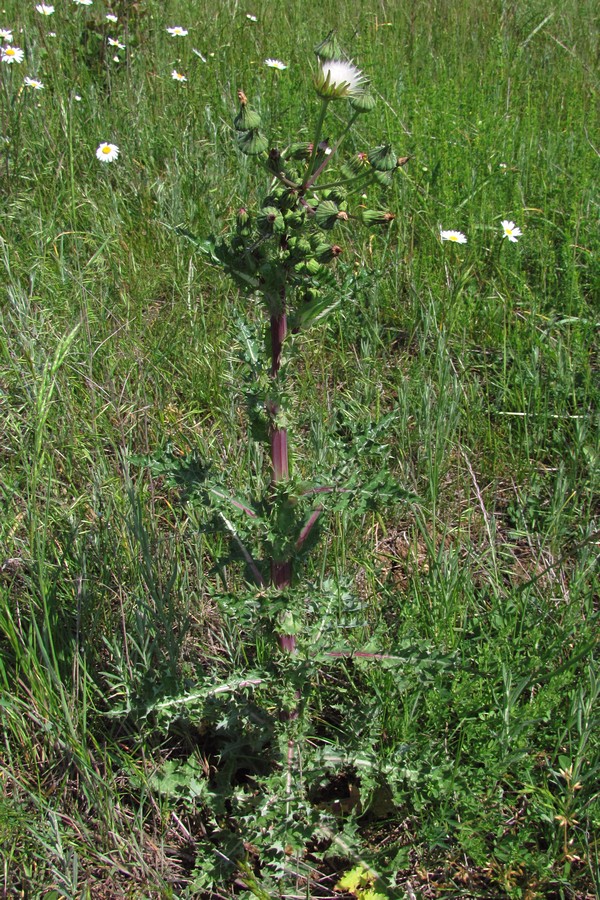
(355, 881)
(315, 311)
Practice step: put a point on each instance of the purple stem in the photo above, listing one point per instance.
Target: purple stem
(281, 570)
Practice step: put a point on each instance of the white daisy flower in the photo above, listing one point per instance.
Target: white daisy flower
(110, 17)
(275, 64)
(33, 83)
(107, 152)
(6, 35)
(113, 43)
(251, 17)
(45, 10)
(177, 31)
(338, 79)
(177, 76)
(511, 231)
(12, 55)
(456, 237)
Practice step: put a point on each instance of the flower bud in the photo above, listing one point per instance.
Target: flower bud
(376, 217)
(384, 178)
(363, 103)
(243, 217)
(299, 248)
(295, 218)
(252, 142)
(324, 253)
(326, 214)
(243, 222)
(329, 48)
(338, 195)
(309, 267)
(300, 150)
(274, 160)
(247, 119)
(383, 158)
(270, 220)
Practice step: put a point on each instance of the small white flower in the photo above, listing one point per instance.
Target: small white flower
(110, 17)
(33, 83)
(12, 55)
(177, 76)
(6, 35)
(107, 152)
(338, 79)
(511, 231)
(116, 59)
(275, 64)
(83, 2)
(113, 43)
(77, 97)
(51, 34)
(456, 237)
(251, 17)
(45, 10)
(177, 31)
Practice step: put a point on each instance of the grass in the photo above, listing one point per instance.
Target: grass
(468, 765)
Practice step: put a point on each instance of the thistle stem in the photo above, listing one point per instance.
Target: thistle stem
(281, 570)
(314, 175)
(316, 141)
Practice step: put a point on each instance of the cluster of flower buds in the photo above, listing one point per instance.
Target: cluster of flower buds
(284, 243)
(284, 248)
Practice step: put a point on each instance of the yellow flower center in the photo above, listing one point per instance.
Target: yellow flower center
(106, 150)
(453, 237)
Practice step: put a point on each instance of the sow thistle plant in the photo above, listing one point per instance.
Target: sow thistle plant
(283, 253)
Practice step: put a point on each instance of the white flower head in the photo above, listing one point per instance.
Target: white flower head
(275, 64)
(44, 10)
(110, 17)
(511, 231)
(107, 152)
(251, 17)
(6, 35)
(337, 80)
(12, 55)
(83, 2)
(177, 76)
(114, 43)
(177, 31)
(33, 83)
(457, 237)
